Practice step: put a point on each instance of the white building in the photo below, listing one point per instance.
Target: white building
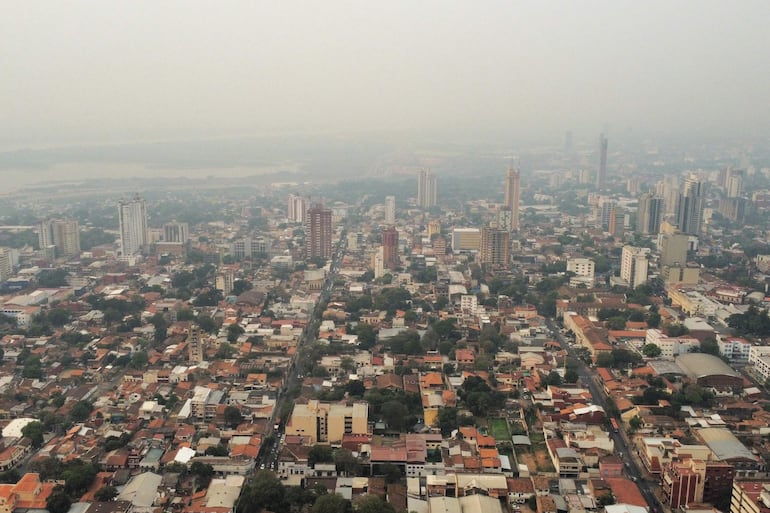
(297, 209)
(735, 349)
(390, 210)
(671, 346)
(584, 269)
(633, 265)
(132, 216)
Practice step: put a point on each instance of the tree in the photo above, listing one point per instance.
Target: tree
(391, 472)
(206, 323)
(571, 376)
(320, 454)
(106, 493)
(203, 473)
(605, 359)
(372, 504)
(635, 423)
(553, 379)
(233, 416)
(710, 346)
(34, 431)
(395, 414)
(233, 332)
(139, 360)
(677, 330)
(447, 420)
(81, 411)
(264, 491)
(216, 450)
(651, 351)
(58, 501)
(332, 503)
(78, 477)
(345, 461)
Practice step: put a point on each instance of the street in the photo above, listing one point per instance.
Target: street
(622, 447)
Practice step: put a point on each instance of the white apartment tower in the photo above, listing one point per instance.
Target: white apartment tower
(633, 265)
(132, 215)
(297, 210)
(390, 210)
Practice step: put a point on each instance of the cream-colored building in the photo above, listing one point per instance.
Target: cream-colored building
(328, 422)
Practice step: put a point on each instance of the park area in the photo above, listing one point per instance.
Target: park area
(498, 428)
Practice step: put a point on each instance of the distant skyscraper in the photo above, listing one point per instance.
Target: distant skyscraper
(617, 222)
(426, 189)
(390, 248)
(601, 175)
(649, 214)
(5, 264)
(390, 210)
(734, 185)
(297, 209)
(176, 232)
(512, 195)
(505, 218)
(318, 236)
(132, 216)
(689, 213)
(495, 246)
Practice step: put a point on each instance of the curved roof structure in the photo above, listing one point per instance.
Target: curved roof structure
(702, 365)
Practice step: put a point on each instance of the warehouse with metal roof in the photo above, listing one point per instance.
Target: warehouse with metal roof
(708, 370)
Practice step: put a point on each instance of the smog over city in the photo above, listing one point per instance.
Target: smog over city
(384, 256)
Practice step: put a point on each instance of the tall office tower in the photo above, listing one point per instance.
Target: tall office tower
(633, 265)
(689, 212)
(673, 249)
(512, 195)
(601, 175)
(132, 216)
(426, 189)
(297, 210)
(318, 236)
(617, 226)
(495, 246)
(649, 214)
(176, 232)
(390, 248)
(195, 349)
(390, 210)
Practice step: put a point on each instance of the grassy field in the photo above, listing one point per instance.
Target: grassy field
(498, 428)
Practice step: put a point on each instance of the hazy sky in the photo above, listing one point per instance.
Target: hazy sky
(110, 71)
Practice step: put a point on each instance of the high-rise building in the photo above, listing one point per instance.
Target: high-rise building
(195, 348)
(5, 264)
(224, 281)
(513, 195)
(176, 232)
(318, 236)
(390, 210)
(734, 185)
(673, 249)
(390, 248)
(504, 219)
(668, 189)
(426, 189)
(132, 216)
(297, 210)
(649, 214)
(434, 227)
(64, 234)
(495, 246)
(466, 239)
(633, 265)
(617, 222)
(689, 212)
(378, 263)
(601, 174)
